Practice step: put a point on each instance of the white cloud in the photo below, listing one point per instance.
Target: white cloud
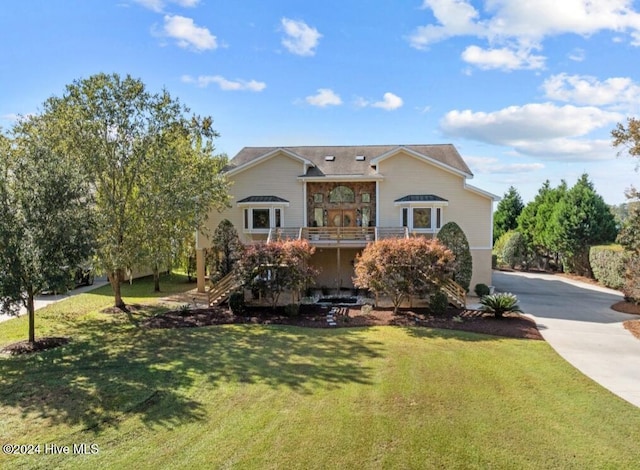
(188, 34)
(502, 58)
(528, 122)
(577, 55)
(490, 165)
(389, 102)
(521, 26)
(324, 97)
(159, 5)
(301, 39)
(542, 130)
(224, 84)
(587, 90)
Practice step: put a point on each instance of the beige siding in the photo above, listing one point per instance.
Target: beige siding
(405, 175)
(326, 261)
(276, 176)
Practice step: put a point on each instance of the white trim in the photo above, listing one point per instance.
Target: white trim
(267, 156)
(304, 204)
(419, 156)
(482, 192)
(484, 248)
(247, 211)
(330, 178)
(433, 217)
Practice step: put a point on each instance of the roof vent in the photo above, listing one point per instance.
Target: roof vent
(360, 158)
(329, 158)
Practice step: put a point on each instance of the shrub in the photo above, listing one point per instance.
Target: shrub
(438, 303)
(236, 303)
(494, 261)
(631, 287)
(514, 250)
(184, 309)
(498, 247)
(499, 304)
(292, 310)
(608, 265)
(366, 309)
(452, 236)
(481, 290)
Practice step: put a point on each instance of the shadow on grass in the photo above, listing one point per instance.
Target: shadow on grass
(114, 370)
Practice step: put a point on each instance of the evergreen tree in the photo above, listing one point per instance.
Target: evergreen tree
(581, 219)
(452, 236)
(506, 216)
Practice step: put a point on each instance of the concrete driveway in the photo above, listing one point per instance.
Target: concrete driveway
(575, 318)
(43, 300)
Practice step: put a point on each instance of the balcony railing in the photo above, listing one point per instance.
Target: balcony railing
(337, 235)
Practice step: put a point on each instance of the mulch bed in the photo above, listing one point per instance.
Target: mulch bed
(628, 307)
(314, 316)
(40, 344)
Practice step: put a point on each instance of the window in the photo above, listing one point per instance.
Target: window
(342, 194)
(427, 219)
(261, 219)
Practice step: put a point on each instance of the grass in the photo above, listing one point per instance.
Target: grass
(247, 396)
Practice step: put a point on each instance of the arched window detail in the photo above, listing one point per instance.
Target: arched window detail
(341, 195)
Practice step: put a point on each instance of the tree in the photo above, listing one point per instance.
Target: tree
(537, 225)
(147, 161)
(582, 219)
(506, 216)
(629, 235)
(628, 137)
(400, 268)
(46, 227)
(515, 250)
(452, 236)
(273, 268)
(229, 249)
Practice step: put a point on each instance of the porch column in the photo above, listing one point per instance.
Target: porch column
(200, 270)
(338, 277)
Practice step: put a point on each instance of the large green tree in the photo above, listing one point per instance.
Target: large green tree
(582, 219)
(46, 222)
(452, 236)
(506, 216)
(151, 166)
(228, 249)
(537, 225)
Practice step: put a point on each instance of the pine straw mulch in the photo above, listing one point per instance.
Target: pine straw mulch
(628, 307)
(314, 316)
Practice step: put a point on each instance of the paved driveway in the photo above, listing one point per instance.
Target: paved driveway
(575, 318)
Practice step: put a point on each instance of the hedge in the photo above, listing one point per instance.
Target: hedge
(608, 265)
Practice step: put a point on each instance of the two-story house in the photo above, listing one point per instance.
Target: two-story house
(341, 198)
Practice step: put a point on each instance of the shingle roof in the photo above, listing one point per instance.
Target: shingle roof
(421, 198)
(345, 162)
(262, 199)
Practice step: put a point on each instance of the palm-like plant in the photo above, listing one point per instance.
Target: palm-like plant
(499, 304)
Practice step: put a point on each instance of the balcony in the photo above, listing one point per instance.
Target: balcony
(337, 236)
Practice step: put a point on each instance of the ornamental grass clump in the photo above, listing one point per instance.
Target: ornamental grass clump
(499, 304)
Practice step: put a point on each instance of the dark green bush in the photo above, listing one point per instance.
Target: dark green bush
(452, 236)
(292, 310)
(514, 251)
(482, 289)
(494, 261)
(438, 303)
(236, 303)
(608, 265)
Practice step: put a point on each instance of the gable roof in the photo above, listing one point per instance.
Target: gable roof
(345, 162)
(421, 198)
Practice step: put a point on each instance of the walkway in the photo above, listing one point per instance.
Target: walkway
(575, 318)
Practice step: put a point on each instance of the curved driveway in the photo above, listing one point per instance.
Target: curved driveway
(576, 319)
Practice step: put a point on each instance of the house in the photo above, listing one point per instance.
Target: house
(341, 198)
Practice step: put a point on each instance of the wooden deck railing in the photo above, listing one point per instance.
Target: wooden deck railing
(455, 293)
(222, 289)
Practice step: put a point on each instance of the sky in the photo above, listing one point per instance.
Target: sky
(526, 91)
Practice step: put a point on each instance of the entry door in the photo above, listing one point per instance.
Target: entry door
(342, 218)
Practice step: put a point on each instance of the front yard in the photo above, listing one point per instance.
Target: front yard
(254, 396)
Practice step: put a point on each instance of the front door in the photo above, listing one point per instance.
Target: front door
(342, 218)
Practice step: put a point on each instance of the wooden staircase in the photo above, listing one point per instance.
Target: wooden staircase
(455, 293)
(221, 290)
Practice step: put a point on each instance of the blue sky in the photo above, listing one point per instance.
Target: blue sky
(527, 91)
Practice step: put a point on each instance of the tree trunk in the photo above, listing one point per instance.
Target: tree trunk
(32, 317)
(156, 278)
(115, 278)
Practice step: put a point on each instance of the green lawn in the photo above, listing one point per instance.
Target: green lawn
(285, 397)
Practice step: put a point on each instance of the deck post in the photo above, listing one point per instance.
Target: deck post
(200, 284)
